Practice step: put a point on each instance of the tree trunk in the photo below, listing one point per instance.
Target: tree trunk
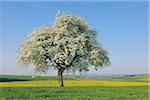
(60, 77)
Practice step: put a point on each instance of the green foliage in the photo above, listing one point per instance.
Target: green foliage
(68, 44)
(75, 93)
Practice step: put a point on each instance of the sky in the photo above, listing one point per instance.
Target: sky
(122, 29)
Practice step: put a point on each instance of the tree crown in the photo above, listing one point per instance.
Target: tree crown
(68, 44)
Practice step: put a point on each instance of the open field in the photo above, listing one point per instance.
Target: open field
(74, 93)
(71, 83)
(133, 78)
(9, 78)
(46, 88)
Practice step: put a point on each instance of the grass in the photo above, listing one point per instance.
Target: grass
(10, 78)
(71, 83)
(134, 78)
(74, 93)
(46, 88)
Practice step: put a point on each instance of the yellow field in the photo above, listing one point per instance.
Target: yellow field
(71, 83)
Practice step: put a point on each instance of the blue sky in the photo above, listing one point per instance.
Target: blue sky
(122, 27)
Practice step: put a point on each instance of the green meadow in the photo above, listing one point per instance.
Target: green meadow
(46, 88)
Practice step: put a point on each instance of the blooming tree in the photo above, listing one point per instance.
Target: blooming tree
(69, 44)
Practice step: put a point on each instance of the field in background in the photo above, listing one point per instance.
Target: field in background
(43, 87)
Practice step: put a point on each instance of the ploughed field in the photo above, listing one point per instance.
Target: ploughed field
(46, 88)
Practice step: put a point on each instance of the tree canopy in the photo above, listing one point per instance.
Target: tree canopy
(69, 44)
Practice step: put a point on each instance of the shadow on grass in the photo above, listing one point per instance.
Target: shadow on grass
(11, 80)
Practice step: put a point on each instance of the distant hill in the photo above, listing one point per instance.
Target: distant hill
(109, 75)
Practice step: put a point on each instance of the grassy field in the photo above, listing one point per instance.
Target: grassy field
(74, 93)
(133, 78)
(46, 88)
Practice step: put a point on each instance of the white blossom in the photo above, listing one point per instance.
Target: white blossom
(70, 43)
